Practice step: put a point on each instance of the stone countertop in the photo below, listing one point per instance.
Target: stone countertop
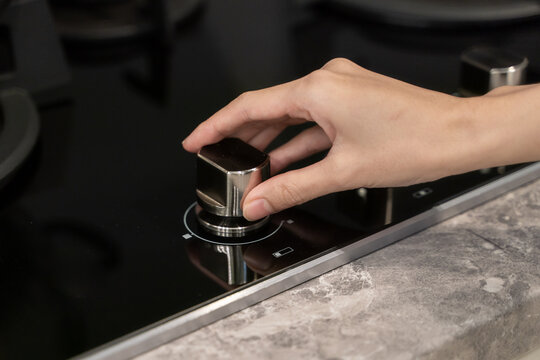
(467, 288)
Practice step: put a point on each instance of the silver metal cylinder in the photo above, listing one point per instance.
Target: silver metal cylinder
(226, 172)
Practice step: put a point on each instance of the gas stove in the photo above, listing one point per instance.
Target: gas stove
(113, 240)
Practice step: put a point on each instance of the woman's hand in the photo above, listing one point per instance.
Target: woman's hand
(381, 132)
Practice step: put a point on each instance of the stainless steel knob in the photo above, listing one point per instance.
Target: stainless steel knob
(485, 68)
(226, 172)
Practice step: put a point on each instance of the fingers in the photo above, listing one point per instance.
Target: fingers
(308, 142)
(274, 103)
(281, 103)
(290, 189)
(266, 136)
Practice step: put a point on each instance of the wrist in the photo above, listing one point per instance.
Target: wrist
(499, 128)
(465, 138)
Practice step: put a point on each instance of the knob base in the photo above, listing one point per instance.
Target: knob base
(227, 226)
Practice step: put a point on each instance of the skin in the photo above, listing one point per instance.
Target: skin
(381, 132)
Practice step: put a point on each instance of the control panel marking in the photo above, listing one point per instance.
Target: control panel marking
(421, 193)
(283, 252)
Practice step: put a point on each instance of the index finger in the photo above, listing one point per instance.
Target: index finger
(276, 102)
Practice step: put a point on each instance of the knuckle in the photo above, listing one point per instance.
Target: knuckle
(338, 64)
(245, 95)
(317, 76)
(312, 89)
(218, 127)
(240, 103)
(316, 81)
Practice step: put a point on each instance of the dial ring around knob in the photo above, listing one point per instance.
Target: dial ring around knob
(227, 226)
(195, 229)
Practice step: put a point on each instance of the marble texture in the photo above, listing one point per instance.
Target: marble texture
(468, 288)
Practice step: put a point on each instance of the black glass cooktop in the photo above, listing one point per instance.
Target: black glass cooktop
(97, 232)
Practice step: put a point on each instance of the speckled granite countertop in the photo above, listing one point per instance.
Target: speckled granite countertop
(468, 288)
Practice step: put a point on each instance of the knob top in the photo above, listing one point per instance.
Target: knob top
(232, 154)
(486, 68)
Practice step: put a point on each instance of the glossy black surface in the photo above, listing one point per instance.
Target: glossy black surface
(92, 237)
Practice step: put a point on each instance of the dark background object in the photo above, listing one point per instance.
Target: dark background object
(3, 5)
(114, 20)
(439, 13)
(32, 67)
(32, 57)
(19, 129)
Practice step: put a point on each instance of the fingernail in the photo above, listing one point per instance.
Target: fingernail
(257, 209)
(184, 143)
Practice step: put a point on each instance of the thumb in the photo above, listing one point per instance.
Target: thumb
(288, 189)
